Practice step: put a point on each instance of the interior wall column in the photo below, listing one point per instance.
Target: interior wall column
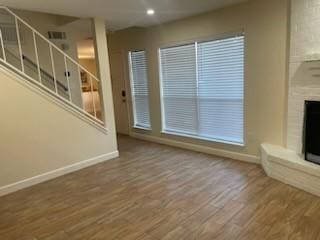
(103, 71)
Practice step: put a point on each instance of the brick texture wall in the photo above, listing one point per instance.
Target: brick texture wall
(304, 78)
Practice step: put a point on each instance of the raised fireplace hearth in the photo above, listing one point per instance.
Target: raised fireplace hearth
(302, 169)
(291, 168)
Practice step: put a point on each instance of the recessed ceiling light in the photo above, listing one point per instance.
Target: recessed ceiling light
(150, 11)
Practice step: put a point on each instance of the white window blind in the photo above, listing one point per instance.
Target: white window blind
(202, 89)
(179, 89)
(139, 89)
(220, 76)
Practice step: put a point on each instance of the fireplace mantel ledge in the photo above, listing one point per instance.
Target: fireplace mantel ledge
(288, 167)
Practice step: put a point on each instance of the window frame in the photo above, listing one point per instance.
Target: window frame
(196, 42)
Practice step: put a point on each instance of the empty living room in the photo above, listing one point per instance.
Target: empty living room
(160, 120)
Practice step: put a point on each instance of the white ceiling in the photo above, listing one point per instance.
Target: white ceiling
(122, 13)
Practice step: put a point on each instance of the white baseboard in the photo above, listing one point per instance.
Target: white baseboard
(199, 148)
(56, 173)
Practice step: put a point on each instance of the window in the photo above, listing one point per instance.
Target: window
(139, 89)
(202, 89)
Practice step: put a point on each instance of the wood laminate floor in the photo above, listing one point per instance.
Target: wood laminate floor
(157, 192)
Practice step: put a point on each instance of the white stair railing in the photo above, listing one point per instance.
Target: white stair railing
(88, 105)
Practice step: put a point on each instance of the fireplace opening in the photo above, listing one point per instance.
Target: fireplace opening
(312, 131)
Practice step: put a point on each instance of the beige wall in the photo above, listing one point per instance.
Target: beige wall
(39, 136)
(265, 25)
(89, 64)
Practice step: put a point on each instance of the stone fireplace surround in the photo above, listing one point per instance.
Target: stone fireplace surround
(288, 164)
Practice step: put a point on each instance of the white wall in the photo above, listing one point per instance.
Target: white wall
(304, 79)
(39, 136)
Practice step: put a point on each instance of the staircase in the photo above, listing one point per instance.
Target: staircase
(29, 54)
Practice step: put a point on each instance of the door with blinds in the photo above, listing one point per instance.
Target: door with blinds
(117, 60)
(139, 90)
(202, 89)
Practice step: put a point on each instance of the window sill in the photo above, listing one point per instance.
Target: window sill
(203, 138)
(142, 128)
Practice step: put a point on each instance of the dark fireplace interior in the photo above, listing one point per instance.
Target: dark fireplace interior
(312, 131)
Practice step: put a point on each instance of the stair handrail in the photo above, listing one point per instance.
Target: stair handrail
(49, 42)
(45, 73)
(36, 67)
(51, 47)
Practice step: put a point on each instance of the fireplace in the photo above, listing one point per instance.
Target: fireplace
(312, 131)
